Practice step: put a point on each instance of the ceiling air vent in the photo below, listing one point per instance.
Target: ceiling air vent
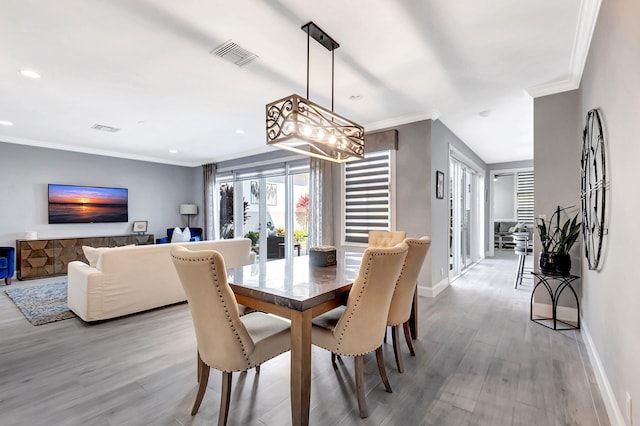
(233, 53)
(105, 128)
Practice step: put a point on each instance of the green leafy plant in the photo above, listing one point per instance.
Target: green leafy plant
(299, 235)
(556, 238)
(253, 236)
(280, 231)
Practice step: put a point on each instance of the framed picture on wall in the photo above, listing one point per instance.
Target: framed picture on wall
(255, 192)
(272, 194)
(439, 184)
(140, 226)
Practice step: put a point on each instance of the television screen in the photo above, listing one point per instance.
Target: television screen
(87, 204)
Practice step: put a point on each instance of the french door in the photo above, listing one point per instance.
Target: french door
(466, 216)
(270, 207)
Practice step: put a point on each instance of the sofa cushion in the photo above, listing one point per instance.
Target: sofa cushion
(180, 236)
(93, 254)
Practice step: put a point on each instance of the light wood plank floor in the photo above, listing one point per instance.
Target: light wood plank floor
(480, 361)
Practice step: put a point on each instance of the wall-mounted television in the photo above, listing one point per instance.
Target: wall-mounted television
(87, 204)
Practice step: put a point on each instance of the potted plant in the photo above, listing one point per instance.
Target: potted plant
(556, 241)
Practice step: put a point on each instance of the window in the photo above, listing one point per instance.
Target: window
(367, 197)
(524, 198)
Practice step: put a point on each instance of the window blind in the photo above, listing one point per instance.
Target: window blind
(367, 196)
(524, 194)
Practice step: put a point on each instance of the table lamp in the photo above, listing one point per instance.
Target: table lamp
(189, 210)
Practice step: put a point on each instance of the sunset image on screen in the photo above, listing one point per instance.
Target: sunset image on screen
(87, 204)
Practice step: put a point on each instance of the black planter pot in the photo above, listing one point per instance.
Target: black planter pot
(555, 264)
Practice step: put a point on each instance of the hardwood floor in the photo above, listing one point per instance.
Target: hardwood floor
(480, 361)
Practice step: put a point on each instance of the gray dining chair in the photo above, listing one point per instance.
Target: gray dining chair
(225, 341)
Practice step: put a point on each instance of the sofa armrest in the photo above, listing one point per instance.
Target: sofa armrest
(81, 279)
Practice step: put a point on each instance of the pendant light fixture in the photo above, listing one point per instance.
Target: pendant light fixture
(297, 124)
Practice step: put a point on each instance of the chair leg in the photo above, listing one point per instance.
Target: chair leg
(362, 402)
(407, 337)
(199, 362)
(204, 379)
(396, 347)
(225, 398)
(333, 359)
(382, 370)
(519, 271)
(257, 369)
(7, 281)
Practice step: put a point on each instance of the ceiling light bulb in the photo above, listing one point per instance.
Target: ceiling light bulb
(6, 123)
(30, 74)
(240, 132)
(332, 139)
(307, 131)
(321, 134)
(173, 151)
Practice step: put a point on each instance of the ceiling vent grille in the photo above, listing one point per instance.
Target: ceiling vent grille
(104, 128)
(229, 51)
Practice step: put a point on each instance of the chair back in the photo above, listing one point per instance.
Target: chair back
(361, 327)
(386, 238)
(223, 340)
(400, 309)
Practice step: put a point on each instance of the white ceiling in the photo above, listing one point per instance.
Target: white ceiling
(144, 66)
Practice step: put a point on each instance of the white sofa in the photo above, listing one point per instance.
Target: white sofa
(137, 278)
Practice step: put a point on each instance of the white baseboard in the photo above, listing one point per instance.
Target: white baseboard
(435, 290)
(563, 314)
(613, 410)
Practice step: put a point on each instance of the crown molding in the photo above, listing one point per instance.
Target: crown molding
(397, 121)
(83, 150)
(587, 18)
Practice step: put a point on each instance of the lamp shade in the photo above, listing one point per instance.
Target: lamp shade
(188, 209)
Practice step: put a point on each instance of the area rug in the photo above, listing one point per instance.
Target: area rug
(42, 304)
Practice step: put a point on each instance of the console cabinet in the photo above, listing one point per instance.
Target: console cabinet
(50, 257)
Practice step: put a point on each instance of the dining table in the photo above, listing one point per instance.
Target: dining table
(298, 291)
(292, 288)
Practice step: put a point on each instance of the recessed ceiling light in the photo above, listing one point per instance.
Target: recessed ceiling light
(240, 132)
(6, 123)
(485, 113)
(173, 151)
(355, 97)
(30, 73)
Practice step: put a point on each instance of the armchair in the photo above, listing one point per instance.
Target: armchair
(7, 263)
(196, 235)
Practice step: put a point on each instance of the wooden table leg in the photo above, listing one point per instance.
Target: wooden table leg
(300, 367)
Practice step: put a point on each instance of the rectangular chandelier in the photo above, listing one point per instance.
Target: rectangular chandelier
(297, 124)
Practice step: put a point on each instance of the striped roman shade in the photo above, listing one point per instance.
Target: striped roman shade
(367, 196)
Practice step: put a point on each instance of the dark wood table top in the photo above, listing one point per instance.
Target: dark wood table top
(293, 283)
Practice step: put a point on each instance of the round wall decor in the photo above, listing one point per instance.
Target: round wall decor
(593, 188)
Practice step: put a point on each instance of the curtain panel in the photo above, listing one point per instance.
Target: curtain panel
(209, 201)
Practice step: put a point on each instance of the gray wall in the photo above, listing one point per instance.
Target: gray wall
(155, 191)
(557, 153)
(611, 82)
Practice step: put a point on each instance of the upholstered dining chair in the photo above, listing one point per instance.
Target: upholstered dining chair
(403, 296)
(385, 238)
(358, 328)
(226, 341)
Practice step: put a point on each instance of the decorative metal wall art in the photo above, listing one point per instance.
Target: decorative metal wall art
(593, 188)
